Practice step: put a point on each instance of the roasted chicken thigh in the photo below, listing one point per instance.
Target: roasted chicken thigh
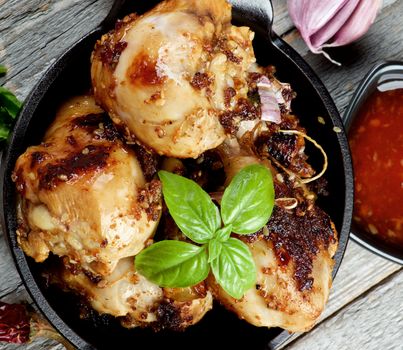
(79, 192)
(168, 75)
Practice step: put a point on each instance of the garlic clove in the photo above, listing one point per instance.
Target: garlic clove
(309, 16)
(332, 27)
(329, 23)
(319, 13)
(358, 23)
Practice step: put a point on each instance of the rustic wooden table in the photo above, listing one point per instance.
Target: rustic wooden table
(365, 310)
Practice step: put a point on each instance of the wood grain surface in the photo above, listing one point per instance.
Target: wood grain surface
(362, 324)
(365, 310)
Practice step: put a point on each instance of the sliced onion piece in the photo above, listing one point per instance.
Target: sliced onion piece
(269, 104)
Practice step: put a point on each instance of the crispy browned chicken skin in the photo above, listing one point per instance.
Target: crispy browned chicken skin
(293, 254)
(83, 196)
(168, 75)
(136, 301)
(79, 192)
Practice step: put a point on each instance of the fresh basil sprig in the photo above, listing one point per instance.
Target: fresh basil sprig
(246, 207)
(173, 263)
(9, 109)
(192, 209)
(245, 201)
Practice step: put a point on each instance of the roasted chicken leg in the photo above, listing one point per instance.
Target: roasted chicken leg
(293, 254)
(169, 75)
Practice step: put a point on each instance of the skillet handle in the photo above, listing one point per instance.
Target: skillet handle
(251, 11)
(120, 8)
(254, 12)
(113, 14)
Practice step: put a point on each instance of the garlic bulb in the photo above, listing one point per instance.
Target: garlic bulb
(332, 22)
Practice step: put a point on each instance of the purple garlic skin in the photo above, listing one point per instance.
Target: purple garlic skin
(332, 23)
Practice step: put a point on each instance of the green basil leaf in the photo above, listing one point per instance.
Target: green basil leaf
(4, 132)
(234, 269)
(5, 124)
(173, 264)
(224, 233)
(9, 102)
(192, 208)
(248, 201)
(3, 69)
(214, 249)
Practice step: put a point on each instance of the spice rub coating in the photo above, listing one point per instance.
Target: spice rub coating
(78, 192)
(182, 66)
(293, 252)
(134, 300)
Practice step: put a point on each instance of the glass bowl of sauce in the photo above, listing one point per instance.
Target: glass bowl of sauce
(374, 121)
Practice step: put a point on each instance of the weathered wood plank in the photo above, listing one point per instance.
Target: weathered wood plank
(374, 321)
(37, 344)
(34, 33)
(9, 277)
(360, 271)
(282, 22)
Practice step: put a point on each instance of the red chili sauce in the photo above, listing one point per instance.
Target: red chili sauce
(376, 140)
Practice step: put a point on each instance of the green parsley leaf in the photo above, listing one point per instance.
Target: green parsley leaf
(234, 269)
(248, 201)
(3, 69)
(192, 208)
(173, 264)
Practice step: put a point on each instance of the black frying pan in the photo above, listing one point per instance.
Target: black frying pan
(70, 76)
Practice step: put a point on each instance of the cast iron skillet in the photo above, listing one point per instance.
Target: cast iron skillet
(70, 76)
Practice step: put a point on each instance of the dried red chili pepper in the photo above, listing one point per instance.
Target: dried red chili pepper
(19, 324)
(14, 323)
